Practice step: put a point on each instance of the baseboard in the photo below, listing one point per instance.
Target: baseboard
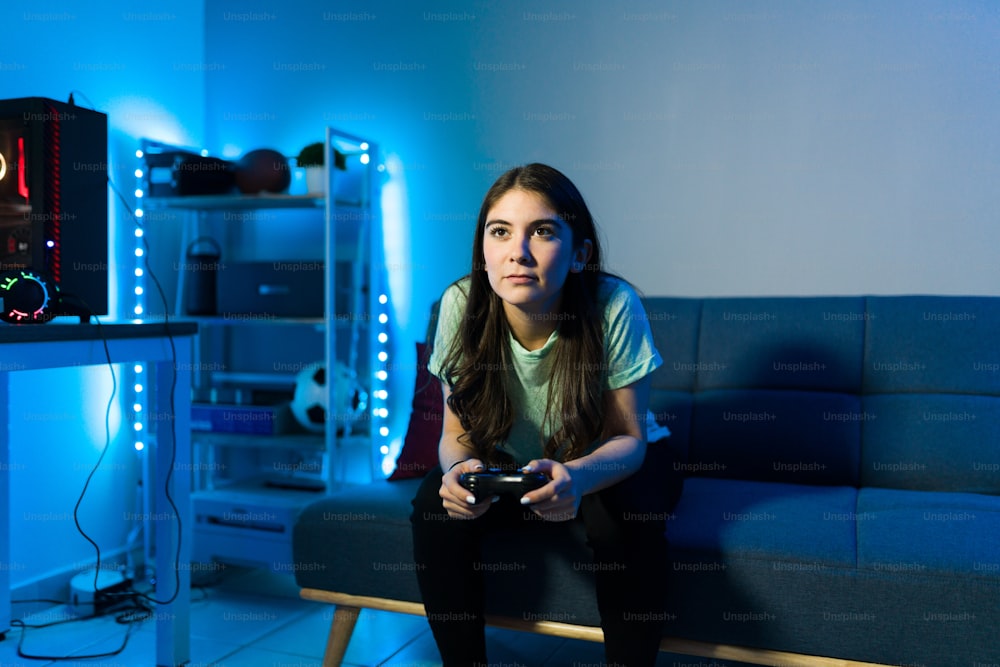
(55, 584)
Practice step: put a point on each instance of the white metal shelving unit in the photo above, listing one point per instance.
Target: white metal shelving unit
(244, 511)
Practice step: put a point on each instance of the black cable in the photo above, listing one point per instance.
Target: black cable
(77, 92)
(37, 600)
(173, 409)
(104, 451)
(107, 431)
(124, 616)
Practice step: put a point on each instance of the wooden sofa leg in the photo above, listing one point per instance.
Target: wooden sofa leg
(341, 628)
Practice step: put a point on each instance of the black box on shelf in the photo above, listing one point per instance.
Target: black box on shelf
(292, 288)
(250, 419)
(172, 171)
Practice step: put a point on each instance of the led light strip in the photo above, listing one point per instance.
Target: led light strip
(138, 309)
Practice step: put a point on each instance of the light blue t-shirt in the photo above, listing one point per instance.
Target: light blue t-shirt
(629, 355)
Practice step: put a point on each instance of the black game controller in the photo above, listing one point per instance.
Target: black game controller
(491, 483)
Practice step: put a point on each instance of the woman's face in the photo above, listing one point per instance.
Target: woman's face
(529, 251)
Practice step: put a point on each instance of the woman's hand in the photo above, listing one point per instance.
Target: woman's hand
(459, 501)
(559, 500)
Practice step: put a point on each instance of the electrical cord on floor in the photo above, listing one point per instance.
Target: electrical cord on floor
(129, 615)
(124, 615)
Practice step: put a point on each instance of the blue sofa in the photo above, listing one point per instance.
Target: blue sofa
(841, 495)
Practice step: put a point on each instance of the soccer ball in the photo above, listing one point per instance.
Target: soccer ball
(310, 403)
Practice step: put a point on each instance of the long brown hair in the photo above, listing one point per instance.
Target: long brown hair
(480, 398)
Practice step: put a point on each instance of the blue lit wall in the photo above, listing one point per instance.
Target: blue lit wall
(142, 68)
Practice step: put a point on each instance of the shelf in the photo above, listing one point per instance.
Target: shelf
(263, 379)
(251, 203)
(237, 202)
(251, 319)
(294, 441)
(256, 491)
(341, 321)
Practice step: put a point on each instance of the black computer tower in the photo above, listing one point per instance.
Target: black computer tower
(54, 195)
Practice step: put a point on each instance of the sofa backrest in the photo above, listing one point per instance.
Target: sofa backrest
(900, 392)
(932, 388)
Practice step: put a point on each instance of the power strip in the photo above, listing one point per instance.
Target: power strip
(85, 601)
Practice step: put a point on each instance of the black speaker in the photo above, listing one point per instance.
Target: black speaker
(54, 195)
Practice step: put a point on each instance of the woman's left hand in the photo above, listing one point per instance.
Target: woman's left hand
(556, 501)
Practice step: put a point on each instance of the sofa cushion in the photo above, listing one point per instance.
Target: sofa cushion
(675, 323)
(910, 442)
(358, 542)
(673, 409)
(811, 343)
(932, 344)
(905, 531)
(892, 618)
(797, 524)
(799, 437)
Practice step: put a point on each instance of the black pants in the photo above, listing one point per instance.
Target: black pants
(625, 527)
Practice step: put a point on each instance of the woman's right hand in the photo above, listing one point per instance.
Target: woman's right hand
(459, 501)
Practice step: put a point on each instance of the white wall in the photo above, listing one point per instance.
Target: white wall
(726, 147)
(760, 147)
(753, 148)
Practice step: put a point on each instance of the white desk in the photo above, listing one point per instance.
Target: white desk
(26, 348)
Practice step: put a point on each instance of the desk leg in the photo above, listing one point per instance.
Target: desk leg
(173, 624)
(5, 564)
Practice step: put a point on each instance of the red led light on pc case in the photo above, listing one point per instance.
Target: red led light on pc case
(22, 183)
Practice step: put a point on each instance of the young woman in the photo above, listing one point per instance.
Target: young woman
(544, 360)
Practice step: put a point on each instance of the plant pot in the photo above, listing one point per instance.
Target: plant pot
(315, 181)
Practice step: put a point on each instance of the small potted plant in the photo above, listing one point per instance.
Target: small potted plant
(311, 159)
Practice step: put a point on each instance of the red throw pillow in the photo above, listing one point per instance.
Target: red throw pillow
(420, 447)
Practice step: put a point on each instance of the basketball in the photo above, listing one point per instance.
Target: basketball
(263, 170)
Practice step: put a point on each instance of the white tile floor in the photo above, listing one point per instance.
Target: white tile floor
(252, 618)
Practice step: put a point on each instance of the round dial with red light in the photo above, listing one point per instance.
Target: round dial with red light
(24, 297)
